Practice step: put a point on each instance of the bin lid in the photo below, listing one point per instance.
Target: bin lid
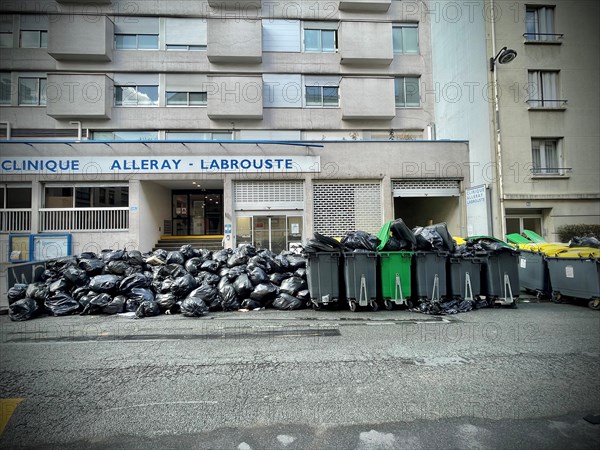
(534, 237)
(516, 238)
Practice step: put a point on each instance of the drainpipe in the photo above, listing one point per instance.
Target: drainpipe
(8, 130)
(499, 175)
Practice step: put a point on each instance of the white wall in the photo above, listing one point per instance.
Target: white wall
(154, 206)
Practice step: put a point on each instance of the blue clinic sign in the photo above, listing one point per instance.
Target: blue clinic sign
(160, 164)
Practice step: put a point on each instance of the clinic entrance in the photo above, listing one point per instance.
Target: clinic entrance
(197, 213)
(275, 231)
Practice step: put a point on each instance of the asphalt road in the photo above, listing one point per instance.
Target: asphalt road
(497, 378)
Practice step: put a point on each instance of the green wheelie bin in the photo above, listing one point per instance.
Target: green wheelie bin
(395, 276)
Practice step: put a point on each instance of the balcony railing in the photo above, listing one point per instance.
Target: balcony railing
(543, 37)
(15, 220)
(550, 171)
(545, 103)
(84, 219)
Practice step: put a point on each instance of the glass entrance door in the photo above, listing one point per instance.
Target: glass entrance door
(197, 213)
(274, 232)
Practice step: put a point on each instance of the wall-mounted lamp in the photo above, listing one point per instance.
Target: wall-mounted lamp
(504, 56)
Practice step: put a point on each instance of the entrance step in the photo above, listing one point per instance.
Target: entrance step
(173, 243)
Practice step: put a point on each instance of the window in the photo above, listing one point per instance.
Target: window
(136, 95)
(15, 197)
(543, 90)
(316, 40)
(279, 35)
(406, 39)
(5, 88)
(186, 34)
(199, 135)
(517, 221)
(32, 91)
(86, 197)
(34, 39)
(6, 31)
(186, 98)
(539, 23)
(545, 157)
(324, 96)
(125, 135)
(407, 92)
(136, 41)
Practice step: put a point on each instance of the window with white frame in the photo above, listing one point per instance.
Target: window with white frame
(407, 92)
(539, 23)
(543, 89)
(33, 31)
(32, 91)
(136, 33)
(186, 98)
(546, 157)
(199, 135)
(6, 31)
(405, 38)
(136, 95)
(15, 197)
(319, 40)
(186, 34)
(323, 96)
(124, 135)
(5, 88)
(86, 196)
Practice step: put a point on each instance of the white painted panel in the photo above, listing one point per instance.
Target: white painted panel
(282, 90)
(281, 35)
(186, 31)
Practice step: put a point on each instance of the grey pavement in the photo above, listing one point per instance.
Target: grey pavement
(493, 378)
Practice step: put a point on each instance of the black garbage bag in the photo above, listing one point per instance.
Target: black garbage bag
(480, 303)
(164, 286)
(224, 272)
(277, 278)
(236, 259)
(50, 275)
(283, 262)
(296, 261)
(110, 255)
(243, 286)
(165, 301)
(428, 239)
(160, 254)
(287, 302)
(272, 265)
(292, 285)
(170, 270)
(322, 243)
(206, 292)
(117, 267)
(148, 308)
(300, 273)
(61, 304)
(187, 251)
(96, 303)
(175, 258)
(134, 258)
(37, 291)
(235, 272)
(23, 309)
(221, 256)
(76, 276)
(193, 307)
(141, 294)
(132, 304)
(210, 266)
(137, 280)
(395, 245)
(104, 283)
(442, 230)
(60, 264)
(258, 276)
(248, 303)
(60, 285)
(404, 234)
(115, 306)
(229, 298)
(257, 261)
(264, 292)
(86, 255)
(360, 240)
(184, 285)
(92, 266)
(248, 250)
(465, 305)
(585, 241)
(193, 265)
(205, 277)
(17, 292)
(304, 295)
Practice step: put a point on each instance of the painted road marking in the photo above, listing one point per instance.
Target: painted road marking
(7, 408)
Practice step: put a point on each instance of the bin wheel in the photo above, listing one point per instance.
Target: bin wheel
(374, 306)
(594, 304)
(316, 307)
(387, 304)
(539, 295)
(514, 305)
(409, 304)
(353, 305)
(556, 297)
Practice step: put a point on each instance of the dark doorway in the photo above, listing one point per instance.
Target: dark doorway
(197, 212)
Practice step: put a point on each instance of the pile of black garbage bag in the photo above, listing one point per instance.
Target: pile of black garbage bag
(585, 241)
(189, 281)
(449, 306)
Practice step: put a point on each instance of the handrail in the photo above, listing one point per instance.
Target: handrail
(555, 170)
(560, 102)
(559, 35)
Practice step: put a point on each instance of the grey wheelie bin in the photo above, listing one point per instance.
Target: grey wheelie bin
(501, 277)
(429, 274)
(360, 274)
(464, 277)
(324, 275)
(533, 274)
(575, 277)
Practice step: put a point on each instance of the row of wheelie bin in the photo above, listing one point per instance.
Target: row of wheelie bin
(369, 279)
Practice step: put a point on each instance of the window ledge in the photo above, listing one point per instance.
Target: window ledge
(532, 42)
(533, 108)
(550, 177)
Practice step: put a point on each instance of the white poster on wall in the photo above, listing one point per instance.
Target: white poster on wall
(478, 211)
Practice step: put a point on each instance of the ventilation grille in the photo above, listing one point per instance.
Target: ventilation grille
(425, 184)
(268, 192)
(340, 208)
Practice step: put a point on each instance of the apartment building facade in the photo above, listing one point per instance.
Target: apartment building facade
(257, 122)
(532, 121)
